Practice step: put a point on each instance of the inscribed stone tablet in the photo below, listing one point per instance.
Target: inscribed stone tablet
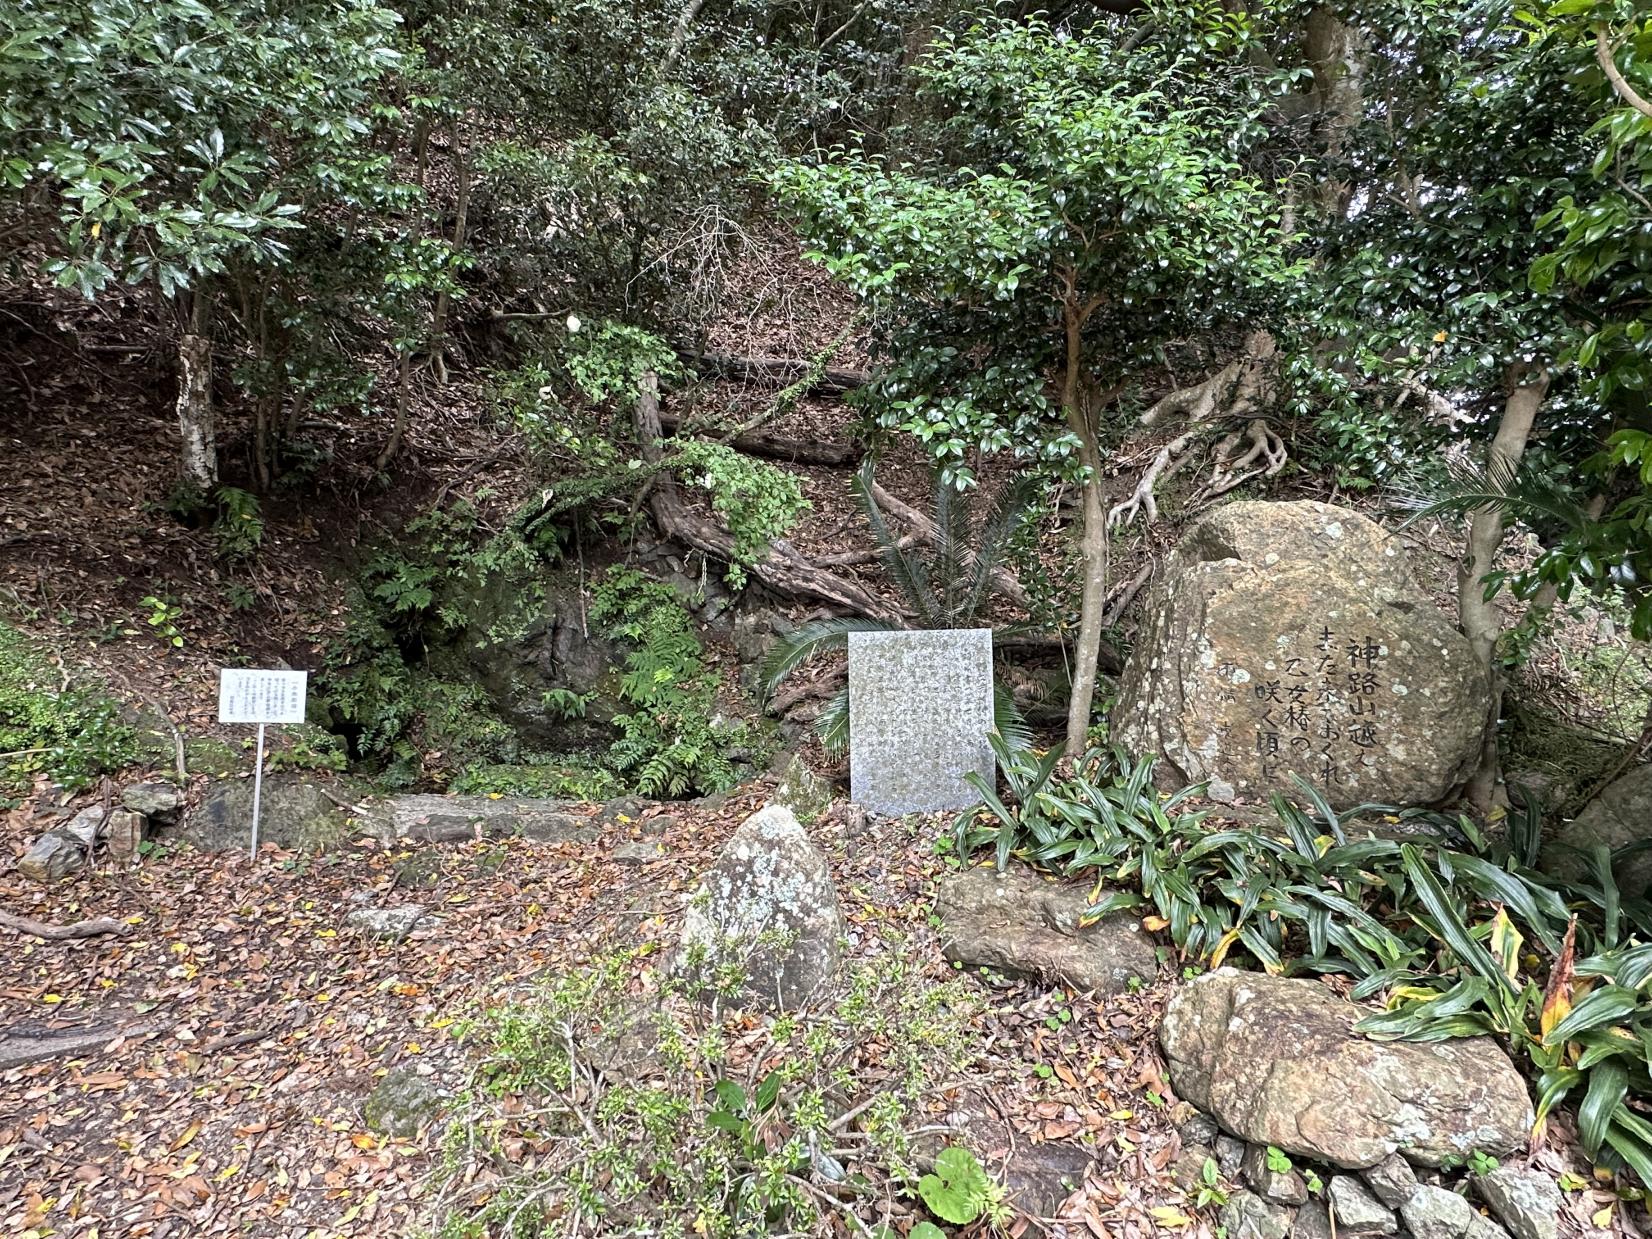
(920, 710)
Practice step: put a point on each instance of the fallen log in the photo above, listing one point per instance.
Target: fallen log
(19, 1047)
(777, 371)
(784, 570)
(57, 933)
(772, 446)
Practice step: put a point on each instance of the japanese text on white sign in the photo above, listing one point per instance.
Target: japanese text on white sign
(261, 696)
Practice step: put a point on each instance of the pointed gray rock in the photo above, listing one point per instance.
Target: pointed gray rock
(767, 913)
(1313, 1221)
(1392, 1180)
(1525, 1201)
(1281, 1187)
(1356, 1211)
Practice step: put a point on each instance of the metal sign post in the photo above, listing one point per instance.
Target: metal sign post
(262, 697)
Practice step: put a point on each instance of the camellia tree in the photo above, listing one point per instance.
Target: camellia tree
(225, 157)
(1602, 238)
(1472, 132)
(1068, 225)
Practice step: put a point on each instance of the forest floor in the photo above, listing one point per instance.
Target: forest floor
(245, 1025)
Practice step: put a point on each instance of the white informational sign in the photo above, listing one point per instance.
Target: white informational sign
(261, 696)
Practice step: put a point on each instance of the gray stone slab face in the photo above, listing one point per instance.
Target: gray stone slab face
(920, 710)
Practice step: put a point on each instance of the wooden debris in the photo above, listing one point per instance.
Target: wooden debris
(57, 933)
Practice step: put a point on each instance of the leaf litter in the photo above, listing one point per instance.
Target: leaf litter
(247, 1024)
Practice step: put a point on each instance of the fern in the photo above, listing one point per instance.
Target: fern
(667, 745)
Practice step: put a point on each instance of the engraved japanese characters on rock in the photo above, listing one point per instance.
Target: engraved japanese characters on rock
(1317, 711)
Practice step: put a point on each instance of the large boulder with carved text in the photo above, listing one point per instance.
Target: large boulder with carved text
(1289, 639)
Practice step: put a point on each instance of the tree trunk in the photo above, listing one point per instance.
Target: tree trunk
(1093, 540)
(404, 385)
(198, 463)
(267, 404)
(1481, 620)
(461, 214)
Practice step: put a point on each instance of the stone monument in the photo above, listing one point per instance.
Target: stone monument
(1290, 639)
(920, 711)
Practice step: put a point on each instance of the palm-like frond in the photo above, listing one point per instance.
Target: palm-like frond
(807, 640)
(832, 723)
(950, 557)
(1004, 519)
(909, 572)
(1008, 720)
(1527, 494)
(961, 562)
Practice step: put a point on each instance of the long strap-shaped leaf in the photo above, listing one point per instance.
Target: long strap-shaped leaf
(1602, 1008)
(1449, 924)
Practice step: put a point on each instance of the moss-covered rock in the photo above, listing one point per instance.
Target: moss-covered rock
(210, 755)
(294, 813)
(530, 676)
(401, 1104)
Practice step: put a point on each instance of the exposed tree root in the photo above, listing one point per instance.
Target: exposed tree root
(1255, 451)
(1236, 390)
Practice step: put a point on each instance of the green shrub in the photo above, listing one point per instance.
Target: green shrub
(758, 502)
(1445, 935)
(70, 734)
(671, 743)
(307, 748)
(238, 527)
(647, 1113)
(413, 724)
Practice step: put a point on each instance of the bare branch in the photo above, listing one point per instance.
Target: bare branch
(1614, 75)
(57, 933)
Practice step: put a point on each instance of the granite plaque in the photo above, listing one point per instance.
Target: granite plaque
(920, 711)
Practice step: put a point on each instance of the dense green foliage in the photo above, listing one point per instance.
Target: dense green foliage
(400, 688)
(1054, 184)
(676, 740)
(69, 733)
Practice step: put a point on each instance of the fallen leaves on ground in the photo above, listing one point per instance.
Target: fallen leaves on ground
(257, 1024)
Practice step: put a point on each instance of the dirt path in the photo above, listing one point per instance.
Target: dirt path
(258, 1022)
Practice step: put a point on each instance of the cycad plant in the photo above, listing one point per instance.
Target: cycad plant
(945, 585)
(1600, 547)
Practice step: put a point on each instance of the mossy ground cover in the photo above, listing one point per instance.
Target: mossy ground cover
(52, 725)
